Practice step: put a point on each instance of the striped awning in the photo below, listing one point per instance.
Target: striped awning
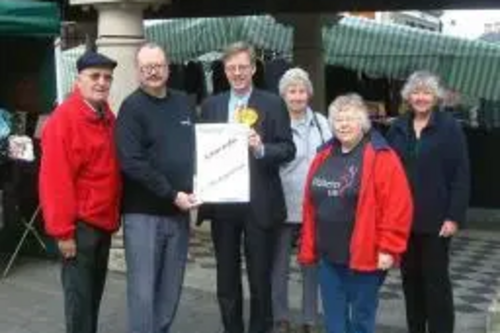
(66, 69)
(468, 66)
(189, 38)
(385, 50)
(186, 39)
(266, 33)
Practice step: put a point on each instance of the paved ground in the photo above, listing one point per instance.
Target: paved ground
(31, 302)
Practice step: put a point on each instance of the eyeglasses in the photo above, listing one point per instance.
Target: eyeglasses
(147, 69)
(239, 68)
(96, 76)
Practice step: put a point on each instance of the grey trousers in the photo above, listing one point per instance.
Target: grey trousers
(280, 275)
(156, 253)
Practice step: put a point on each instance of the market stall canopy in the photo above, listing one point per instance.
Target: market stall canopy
(189, 38)
(383, 50)
(469, 66)
(29, 18)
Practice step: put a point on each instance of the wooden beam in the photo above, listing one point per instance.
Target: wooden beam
(214, 8)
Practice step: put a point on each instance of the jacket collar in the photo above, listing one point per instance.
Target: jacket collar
(308, 119)
(224, 101)
(404, 123)
(87, 112)
(376, 139)
(245, 96)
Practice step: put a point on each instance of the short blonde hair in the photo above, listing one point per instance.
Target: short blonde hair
(295, 76)
(237, 48)
(352, 102)
(422, 80)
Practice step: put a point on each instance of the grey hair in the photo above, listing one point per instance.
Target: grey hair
(295, 76)
(150, 45)
(352, 102)
(422, 80)
(239, 47)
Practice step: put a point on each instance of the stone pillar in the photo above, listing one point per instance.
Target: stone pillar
(120, 31)
(308, 51)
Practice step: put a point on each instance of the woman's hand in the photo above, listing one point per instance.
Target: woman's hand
(385, 261)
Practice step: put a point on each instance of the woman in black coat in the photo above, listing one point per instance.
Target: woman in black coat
(432, 147)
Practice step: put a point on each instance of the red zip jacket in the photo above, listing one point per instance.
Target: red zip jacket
(384, 209)
(79, 174)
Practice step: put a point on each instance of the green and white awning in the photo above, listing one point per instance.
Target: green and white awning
(469, 66)
(384, 50)
(186, 39)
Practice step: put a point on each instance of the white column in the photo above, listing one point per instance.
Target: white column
(120, 33)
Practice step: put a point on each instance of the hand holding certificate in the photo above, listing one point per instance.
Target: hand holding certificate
(222, 163)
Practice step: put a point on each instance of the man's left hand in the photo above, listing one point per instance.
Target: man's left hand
(254, 141)
(448, 229)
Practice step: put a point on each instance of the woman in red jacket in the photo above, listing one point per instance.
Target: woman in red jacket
(357, 213)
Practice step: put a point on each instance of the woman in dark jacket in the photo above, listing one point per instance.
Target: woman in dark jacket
(432, 147)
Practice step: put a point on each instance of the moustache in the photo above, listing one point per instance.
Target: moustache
(153, 77)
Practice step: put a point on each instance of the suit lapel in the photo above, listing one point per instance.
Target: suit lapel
(254, 103)
(221, 113)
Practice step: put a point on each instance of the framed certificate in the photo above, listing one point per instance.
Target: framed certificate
(222, 163)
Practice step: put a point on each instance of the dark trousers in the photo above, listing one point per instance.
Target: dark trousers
(427, 286)
(350, 298)
(258, 244)
(83, 279)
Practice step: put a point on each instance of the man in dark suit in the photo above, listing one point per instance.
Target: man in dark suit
(270, 145)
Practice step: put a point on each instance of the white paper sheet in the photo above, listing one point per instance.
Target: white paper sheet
(222, 163)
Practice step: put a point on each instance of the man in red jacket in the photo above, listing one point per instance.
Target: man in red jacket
(80, 189)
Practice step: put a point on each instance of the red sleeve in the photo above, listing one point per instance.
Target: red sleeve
(307, 252)
(395, 202)
(58, 168)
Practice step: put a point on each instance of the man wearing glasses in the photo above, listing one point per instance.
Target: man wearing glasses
(252, 224)
(80, 189)
(155, 140)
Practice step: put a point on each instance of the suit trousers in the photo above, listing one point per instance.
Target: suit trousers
(83, 279)
(258, 243)
(427, 286)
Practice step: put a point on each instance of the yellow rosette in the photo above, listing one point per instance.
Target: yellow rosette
(248, 116)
